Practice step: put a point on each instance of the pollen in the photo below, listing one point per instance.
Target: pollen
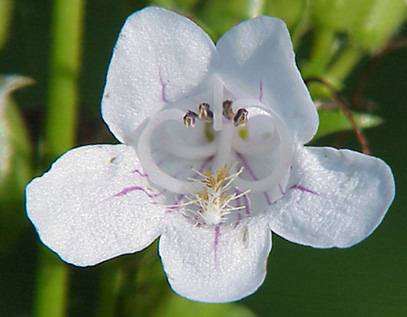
(214, 204)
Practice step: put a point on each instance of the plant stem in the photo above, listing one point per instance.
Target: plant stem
(110, 284)
(6, 10)
(345, 63)
(337, 73)
(321, 53)
(52, 283)
(64, 73)
(51, 288)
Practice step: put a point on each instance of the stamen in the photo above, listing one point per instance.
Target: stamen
(228, 109)
(214, 202)
(240, 119)
(204, 113)
(189, 119)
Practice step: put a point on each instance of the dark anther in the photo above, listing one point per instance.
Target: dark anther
(189, 119)
(228, 110)
(204, 113)
(241, 117)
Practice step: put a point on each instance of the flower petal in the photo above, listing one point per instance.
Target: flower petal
(335, 198)
(257, 60)
(94, 204)
(159, 57)
(217, 264)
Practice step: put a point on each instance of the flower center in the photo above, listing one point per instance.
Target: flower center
(215, 194)
(215, 203)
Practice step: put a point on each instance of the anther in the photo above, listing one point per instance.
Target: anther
(189, 119)
(204, 113)
(228, 110)
(240, 118)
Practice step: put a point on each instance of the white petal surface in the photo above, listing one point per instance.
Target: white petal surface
(209, 266)
(94, 204)
(336, 198)
(159, 57)
(257, 60)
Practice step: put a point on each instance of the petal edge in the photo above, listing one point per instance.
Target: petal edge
(213, 266)
(91, 205)
(336, 198)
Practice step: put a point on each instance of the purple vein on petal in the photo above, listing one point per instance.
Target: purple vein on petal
(239, 218)
(130, 189)
(177, 203)
(137, 171)
(261, 90)
(246, 201)
(205, 163)
(281, 189)
(303, 189)
(163, 87)
(252, 174)
(216, 241)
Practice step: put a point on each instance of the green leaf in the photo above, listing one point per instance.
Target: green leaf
(222, 15)
(15, 159)
(337, 15)
(382, 19)
(332, 121)
(14, 141)
(289, 11)
(368, 23)
(177, 5)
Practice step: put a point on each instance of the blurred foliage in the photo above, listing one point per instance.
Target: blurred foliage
(341, 122)
(334, 40)
(367, 23)
(6, 9)
(178, 306)
(15, 160)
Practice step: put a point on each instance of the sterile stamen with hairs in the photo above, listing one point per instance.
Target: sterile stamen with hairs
(213, 203)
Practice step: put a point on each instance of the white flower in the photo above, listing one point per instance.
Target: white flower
(213, 192)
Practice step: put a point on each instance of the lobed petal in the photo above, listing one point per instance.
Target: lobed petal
(159, 57)
(257, 60)
(94, 204)
(218, 264)
(336, 198)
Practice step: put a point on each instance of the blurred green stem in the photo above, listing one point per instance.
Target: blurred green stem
(6, 10)
(344, 64)
(51, 288)
(321, 53)
(52, 283)
(111, 282)
(64, 73)
(337, 73)
(323, 47)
